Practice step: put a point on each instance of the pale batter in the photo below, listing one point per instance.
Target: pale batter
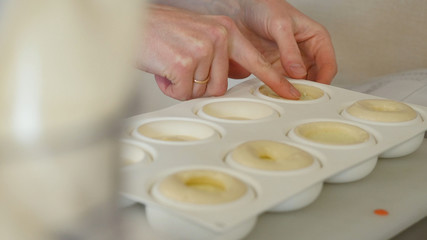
(202, 187)
(333, 133)
(239, 110)
(176, 131)
(270, 155)
(382, 110)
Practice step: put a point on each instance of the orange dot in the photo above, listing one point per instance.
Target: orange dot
(381, 212)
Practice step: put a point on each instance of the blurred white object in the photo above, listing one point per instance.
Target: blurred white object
(408, 86)
(64, 84)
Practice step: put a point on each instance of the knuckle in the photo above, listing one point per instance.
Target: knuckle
(182, 63)
(220, 31)
(203, 49)
(226, 21)
(321, 32)
(281, 24)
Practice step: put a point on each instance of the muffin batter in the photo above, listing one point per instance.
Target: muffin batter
(202, 187)
(270, 155)
(333, 133)
(382, 110)
(239, 110)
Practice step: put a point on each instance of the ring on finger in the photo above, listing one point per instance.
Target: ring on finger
(202, 81)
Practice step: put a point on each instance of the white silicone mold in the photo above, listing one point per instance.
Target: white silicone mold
(402, 149)
(301, 199)
(350, 129)
(176, 227)
(132, 152)
(209, 181)
(219, 124)
(162, 220)
(238, 111)
(176, 131)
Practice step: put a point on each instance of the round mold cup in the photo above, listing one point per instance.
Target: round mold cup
(173, 227)
(339, 135)
(238, 110)
(124, 202)
(300, 200)
(132, 154)
(177, 131)
(201, 189)
(277, 159)
(388, 113)
(309, 93)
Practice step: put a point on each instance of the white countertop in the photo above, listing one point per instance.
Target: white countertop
(342, 211)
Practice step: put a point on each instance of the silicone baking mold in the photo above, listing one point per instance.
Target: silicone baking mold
(201, 134)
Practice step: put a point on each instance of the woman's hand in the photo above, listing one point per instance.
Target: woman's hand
(294, 44)
(181, 47)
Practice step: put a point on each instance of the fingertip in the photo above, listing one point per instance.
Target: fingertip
(296, 70)
(162, 82)
(286, 90)
(177, 92)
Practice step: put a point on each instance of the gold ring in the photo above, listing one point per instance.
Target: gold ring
(203, 81)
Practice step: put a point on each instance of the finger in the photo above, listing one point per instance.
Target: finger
(290, 55)
(218, 82)
(205, 52)
(277, 66)
(326, 65)
(181, 76)
(181, 87)
(243, 52)
(199, 87)
(236, 71)
(170, 89)
(162, 82)
(170, 75)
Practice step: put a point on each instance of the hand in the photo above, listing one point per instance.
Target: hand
(181, 46)
(294, 44)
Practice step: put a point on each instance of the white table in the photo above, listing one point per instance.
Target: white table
(342, 211)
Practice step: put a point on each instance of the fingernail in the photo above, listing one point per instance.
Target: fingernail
(298, 69)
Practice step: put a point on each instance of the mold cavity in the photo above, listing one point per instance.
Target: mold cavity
(176, 131)
(270, 156)
(238, 110)
(381, 110)
(131, 154)
(333, 133)
(201, 186)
